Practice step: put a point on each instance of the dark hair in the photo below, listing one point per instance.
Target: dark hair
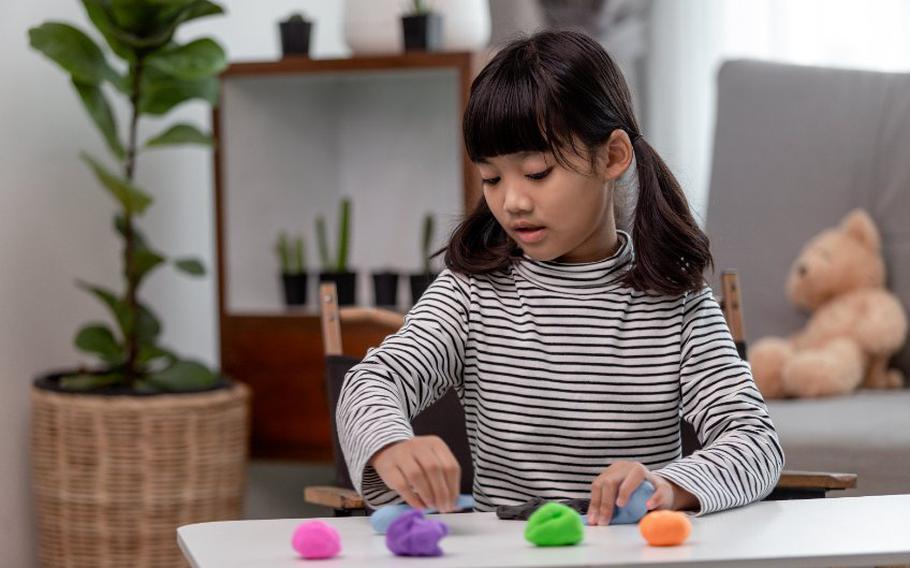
(542, 94)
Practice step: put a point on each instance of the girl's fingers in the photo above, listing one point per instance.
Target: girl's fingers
(451, 471)
(397, 482)
(659, 499)
(433, 473)
(607, 501)
(633, 479)
(594, 507)
(417, 481)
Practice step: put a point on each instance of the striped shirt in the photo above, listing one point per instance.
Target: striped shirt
(563, 370)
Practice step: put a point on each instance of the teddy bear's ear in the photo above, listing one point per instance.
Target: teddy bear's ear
(860, 226)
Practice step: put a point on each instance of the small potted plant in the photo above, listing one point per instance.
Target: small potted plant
(422, 280)
(293, 269)
(295, 35)
(336, 269)
(385, 288)
(421, 28)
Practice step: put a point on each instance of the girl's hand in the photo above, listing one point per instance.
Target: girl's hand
(422, 470)
(617, 483)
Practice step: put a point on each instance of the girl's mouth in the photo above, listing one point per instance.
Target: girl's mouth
(530, 235)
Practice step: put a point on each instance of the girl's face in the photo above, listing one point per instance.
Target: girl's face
(554, 212)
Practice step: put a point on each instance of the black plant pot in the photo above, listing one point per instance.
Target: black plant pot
(419, 284)
(346, 283)
(385, 289)
(295, 37)
(295, 288)
(422, 32)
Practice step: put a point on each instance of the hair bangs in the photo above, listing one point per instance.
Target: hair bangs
(511, 110)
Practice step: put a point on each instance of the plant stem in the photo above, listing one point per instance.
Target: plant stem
(132, 339)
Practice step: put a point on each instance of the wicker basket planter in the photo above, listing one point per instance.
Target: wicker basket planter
(114, 476)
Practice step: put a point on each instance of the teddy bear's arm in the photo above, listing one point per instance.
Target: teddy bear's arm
(881, 328)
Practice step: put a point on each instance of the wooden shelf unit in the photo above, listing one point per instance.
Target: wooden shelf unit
(279, 353)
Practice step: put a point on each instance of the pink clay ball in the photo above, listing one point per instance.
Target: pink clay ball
(315, 540)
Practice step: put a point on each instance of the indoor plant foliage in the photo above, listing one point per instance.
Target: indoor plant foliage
(292, 258)
(154, 74)
(422, 280)
(335, 269)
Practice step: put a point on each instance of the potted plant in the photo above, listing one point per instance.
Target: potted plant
(293, 269)
(295, 35)
(145, 440)
(385, 288)
(422, 280)
(421, 28)
(336, 269)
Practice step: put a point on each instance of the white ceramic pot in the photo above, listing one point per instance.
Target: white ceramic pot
(373, 27)
(465, 24)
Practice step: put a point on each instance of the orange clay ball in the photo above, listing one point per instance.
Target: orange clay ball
(665, 528)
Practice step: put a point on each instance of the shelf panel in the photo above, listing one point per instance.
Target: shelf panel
(291, 137)
(298, 65)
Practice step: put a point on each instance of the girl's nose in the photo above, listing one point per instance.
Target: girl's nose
(517, 201)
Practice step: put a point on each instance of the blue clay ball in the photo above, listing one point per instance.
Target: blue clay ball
(383, 516)
(635, 509)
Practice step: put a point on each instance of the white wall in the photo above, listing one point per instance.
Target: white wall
(55, 220)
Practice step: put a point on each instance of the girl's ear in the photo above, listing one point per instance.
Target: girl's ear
(615, 155)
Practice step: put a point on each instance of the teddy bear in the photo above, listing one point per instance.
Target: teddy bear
(855, 324)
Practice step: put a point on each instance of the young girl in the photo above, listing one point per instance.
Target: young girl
(574, 346)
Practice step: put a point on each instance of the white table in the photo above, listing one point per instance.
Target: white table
(849, 531)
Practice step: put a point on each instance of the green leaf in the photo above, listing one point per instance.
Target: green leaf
(87, 382)
(74, 51)
(151, 352)
(145, 29)
(134, 200)
(190, 266)
(180, 134)
(144, 261)
(148, 325)
(97, 338)
(183, 375)
(98, 108)
(196, 60)
(134, 16)
(161, 93)
(187, 10)
(101, 17)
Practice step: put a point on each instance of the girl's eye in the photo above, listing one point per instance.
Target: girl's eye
(490, 181)
(540, 175)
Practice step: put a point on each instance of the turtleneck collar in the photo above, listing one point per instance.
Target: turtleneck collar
(586, 278)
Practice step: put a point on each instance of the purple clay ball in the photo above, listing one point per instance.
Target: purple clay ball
(411, 534)
(316, 540)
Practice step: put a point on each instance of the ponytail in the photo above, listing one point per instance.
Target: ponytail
(671, 250)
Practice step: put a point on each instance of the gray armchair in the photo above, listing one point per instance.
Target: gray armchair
(795, 149)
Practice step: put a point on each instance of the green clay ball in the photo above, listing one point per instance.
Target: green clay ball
(555, 524)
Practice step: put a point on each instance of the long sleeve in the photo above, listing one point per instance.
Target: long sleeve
(741, 459)
(396, 381)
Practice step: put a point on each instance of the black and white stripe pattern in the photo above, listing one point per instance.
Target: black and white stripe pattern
(562, 371)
